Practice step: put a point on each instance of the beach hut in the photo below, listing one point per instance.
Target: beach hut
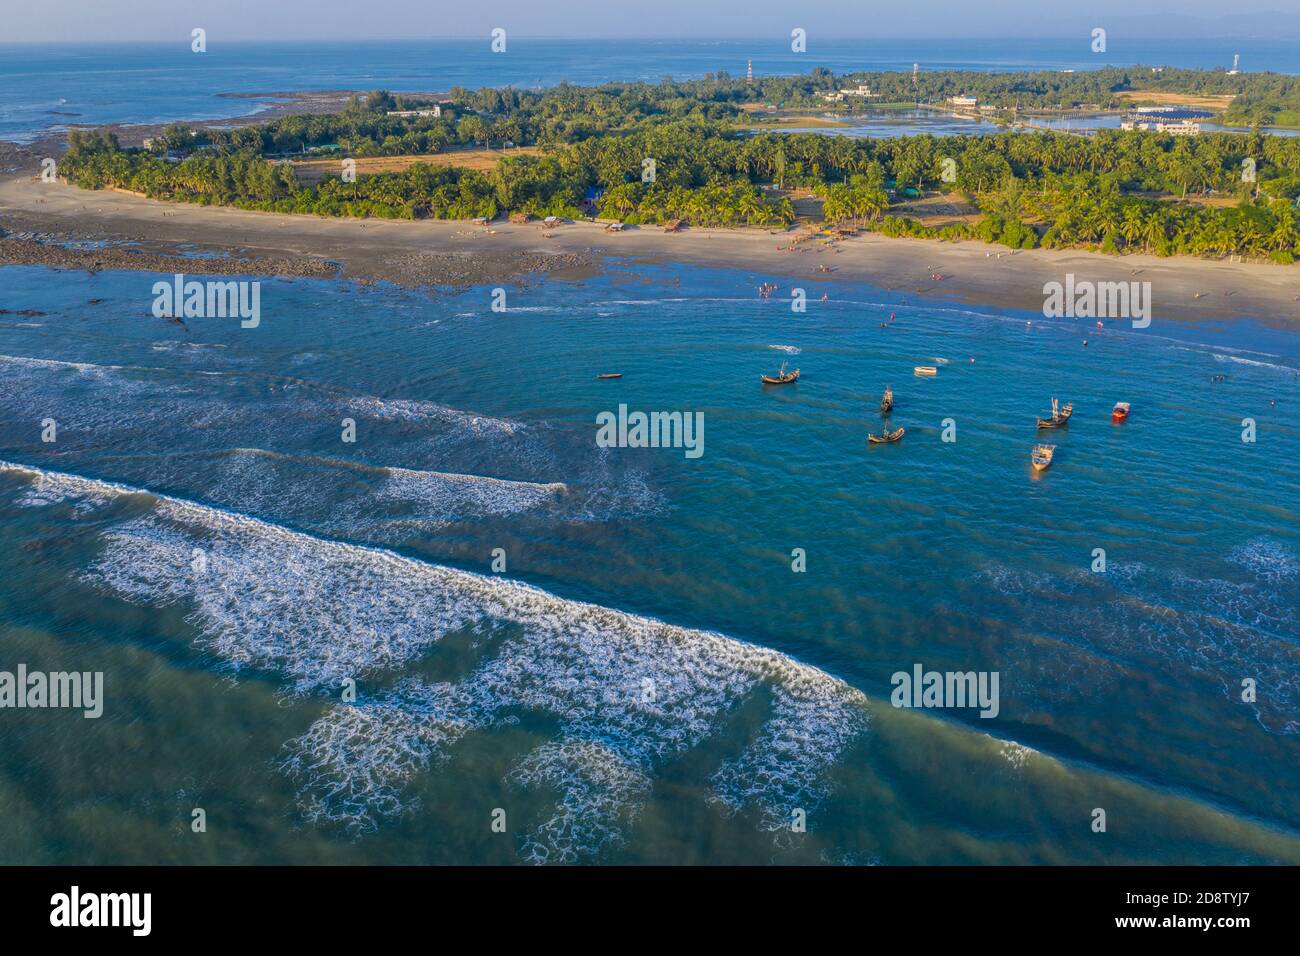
(591, 201)
(519, 217)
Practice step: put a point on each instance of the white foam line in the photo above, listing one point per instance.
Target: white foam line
(415, 479)
(369, 405)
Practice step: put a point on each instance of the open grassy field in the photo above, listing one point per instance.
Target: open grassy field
(1189, 100)
(312, 171)
(937, 210)
(786, 120)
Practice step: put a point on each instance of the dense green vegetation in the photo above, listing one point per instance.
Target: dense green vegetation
(1117, 191)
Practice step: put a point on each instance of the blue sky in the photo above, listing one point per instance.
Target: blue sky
(161, 20)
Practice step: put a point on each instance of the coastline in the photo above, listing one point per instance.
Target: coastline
(40, 217)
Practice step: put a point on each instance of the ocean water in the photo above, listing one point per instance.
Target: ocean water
(45, 86)
(648, 679)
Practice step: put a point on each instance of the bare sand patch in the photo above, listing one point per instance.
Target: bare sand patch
(1207, 101)
(312, 171)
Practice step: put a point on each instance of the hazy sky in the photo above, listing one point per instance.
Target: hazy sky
(161, 20)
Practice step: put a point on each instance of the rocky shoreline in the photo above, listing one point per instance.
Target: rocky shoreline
(415, 270)
(29, 251)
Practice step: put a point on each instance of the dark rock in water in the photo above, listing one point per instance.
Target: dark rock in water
(95, 301)
(27, 250)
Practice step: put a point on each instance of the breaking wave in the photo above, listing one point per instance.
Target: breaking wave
(626, 692)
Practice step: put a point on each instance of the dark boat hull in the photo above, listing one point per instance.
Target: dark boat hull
(885, 439)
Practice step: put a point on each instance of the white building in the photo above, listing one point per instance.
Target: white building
(427, 111)
(1174, 129)
(969, 102)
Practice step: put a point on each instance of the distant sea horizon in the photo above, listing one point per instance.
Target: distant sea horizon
(45, 87)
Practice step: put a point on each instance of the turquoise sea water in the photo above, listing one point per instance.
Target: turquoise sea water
(50, 86)
(648, 680)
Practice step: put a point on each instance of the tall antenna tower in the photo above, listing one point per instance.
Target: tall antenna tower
(916, 72)
(749, 73)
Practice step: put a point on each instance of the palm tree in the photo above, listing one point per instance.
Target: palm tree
(1130, 227)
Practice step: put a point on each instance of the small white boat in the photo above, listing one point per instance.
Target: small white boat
(925, 370)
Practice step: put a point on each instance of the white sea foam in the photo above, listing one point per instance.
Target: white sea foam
(416, 411)
(49, 488)
(293, 486)
(601, 791)
(176, 345)
(1016, 754)
(788, 349)
(1266, 558)
(86, 368)
(1242, 360)
(454, 495)
(626, 691)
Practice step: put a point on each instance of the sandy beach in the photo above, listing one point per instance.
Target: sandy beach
(39, 217)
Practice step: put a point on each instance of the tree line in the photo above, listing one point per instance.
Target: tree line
(649, 153)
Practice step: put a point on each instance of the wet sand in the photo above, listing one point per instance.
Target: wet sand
(433, 252)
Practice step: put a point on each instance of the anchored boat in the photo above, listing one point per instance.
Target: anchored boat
(1042, 456)
(610, 375)
(782, 377)
(886, 438)
(1059, 415)
(925, 370)
(1120, 412)
(887, 401)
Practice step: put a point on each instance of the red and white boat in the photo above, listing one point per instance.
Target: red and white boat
(1119, 412)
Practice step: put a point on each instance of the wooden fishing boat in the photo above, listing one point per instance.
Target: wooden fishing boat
(887, 401)
(1042, 456)
(610, 375)
(673, 225)
(782, 377)
(1060, 416)
(925, 370)
(886, 438)
(1120, 412)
